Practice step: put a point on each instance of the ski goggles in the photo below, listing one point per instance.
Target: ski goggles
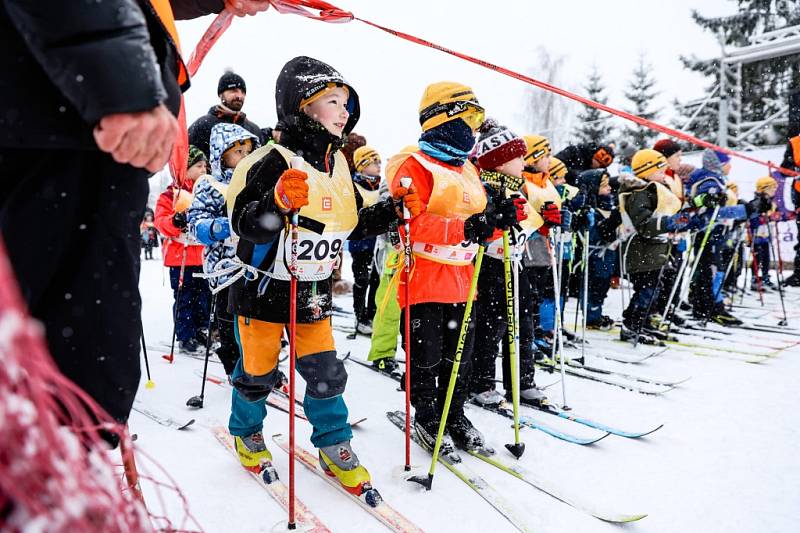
(470, 111)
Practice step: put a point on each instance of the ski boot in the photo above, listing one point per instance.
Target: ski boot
(530, 396)
(427, 427)
(723, 317)
(188, 346)
(543, 344)
(792, 281)
(387, 365)
(489, 398)
(340, 461)
(629, 335)
(253, 454)
(464, 434)
(364, 327)
(603, 324)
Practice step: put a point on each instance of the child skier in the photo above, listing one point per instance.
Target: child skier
(766, 188)
(602, 245)
(319, 108)
(651, 210)
(367, 179)
(149, 233)
(537, 264)
(501, 157)
(445, 241)
(208, 221)
(707, 187)
(183, 254)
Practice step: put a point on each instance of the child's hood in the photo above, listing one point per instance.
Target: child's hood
(223, 136)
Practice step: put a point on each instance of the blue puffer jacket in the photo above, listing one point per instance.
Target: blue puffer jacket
(208, 216)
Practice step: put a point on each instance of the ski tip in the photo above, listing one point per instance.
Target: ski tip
(186, 425)
(622, 519)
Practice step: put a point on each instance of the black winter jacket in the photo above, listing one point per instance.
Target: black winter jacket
(67, 64)
(255, 202)
(200, 130)
(577, 158)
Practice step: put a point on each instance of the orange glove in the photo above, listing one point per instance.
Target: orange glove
(409, 198)
(291, 191)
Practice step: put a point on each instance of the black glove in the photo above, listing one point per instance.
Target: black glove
(179, 221)
(760, 204)
(510, 212)
(478, 228)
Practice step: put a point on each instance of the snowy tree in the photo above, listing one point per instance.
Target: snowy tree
(641, 93)
(764, 83)
(547, 113)
(593, 124)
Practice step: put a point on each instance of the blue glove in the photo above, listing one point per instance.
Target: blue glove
(566, 219)
(677, 221)
(681, 246)
(220, 229)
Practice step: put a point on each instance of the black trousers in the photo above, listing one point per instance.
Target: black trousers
(646, 288)
(70, 221)
(492, 316)
(435, 329)
(365, 285)
(228, 351)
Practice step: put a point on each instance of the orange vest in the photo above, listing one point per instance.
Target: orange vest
(454, 195)
(163, 11)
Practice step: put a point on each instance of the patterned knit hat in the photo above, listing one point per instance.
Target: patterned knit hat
(195, 155)
(497, 145)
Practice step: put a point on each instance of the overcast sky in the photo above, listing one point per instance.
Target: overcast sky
(390, 74)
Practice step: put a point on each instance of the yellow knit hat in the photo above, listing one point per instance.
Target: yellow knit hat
(363, 156)
(448, 100)
(557, 168)
(767, 182)
(537, 146)
(647, 162)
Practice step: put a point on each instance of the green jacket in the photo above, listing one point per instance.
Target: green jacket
(648, 249)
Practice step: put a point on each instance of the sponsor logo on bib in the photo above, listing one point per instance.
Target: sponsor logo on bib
(327, 203)
(466, 198)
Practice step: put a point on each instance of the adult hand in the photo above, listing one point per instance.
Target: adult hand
(242, 8)
(142, 140)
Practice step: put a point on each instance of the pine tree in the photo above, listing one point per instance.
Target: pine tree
(593, 124)
(641, 92)
(764, 83)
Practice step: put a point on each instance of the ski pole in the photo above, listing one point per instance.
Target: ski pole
(754, 265)
(556, 272)
(129, 464)
(518, 448)
(728, 268)
(406, 182)
(298, 163)
(703, 242)
(150, 383)
(171, 356)
(427, 482)
(772, 247)
(668, 310)
(621, 258)
(585, 292)
(197, 401)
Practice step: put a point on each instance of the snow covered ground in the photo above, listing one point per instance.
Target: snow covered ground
(725, 460)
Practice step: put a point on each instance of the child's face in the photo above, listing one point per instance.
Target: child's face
(330, 110)
(559, 181)
(771, 191)
(674, 161)
(543, 164)
(726, 169)
(604, 190)
(197, 170)
(658, 176)
(236, 153)
(513, 167)
(373, 169)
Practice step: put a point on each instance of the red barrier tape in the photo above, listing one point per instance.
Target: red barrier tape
(329, 12)
(332, 14)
